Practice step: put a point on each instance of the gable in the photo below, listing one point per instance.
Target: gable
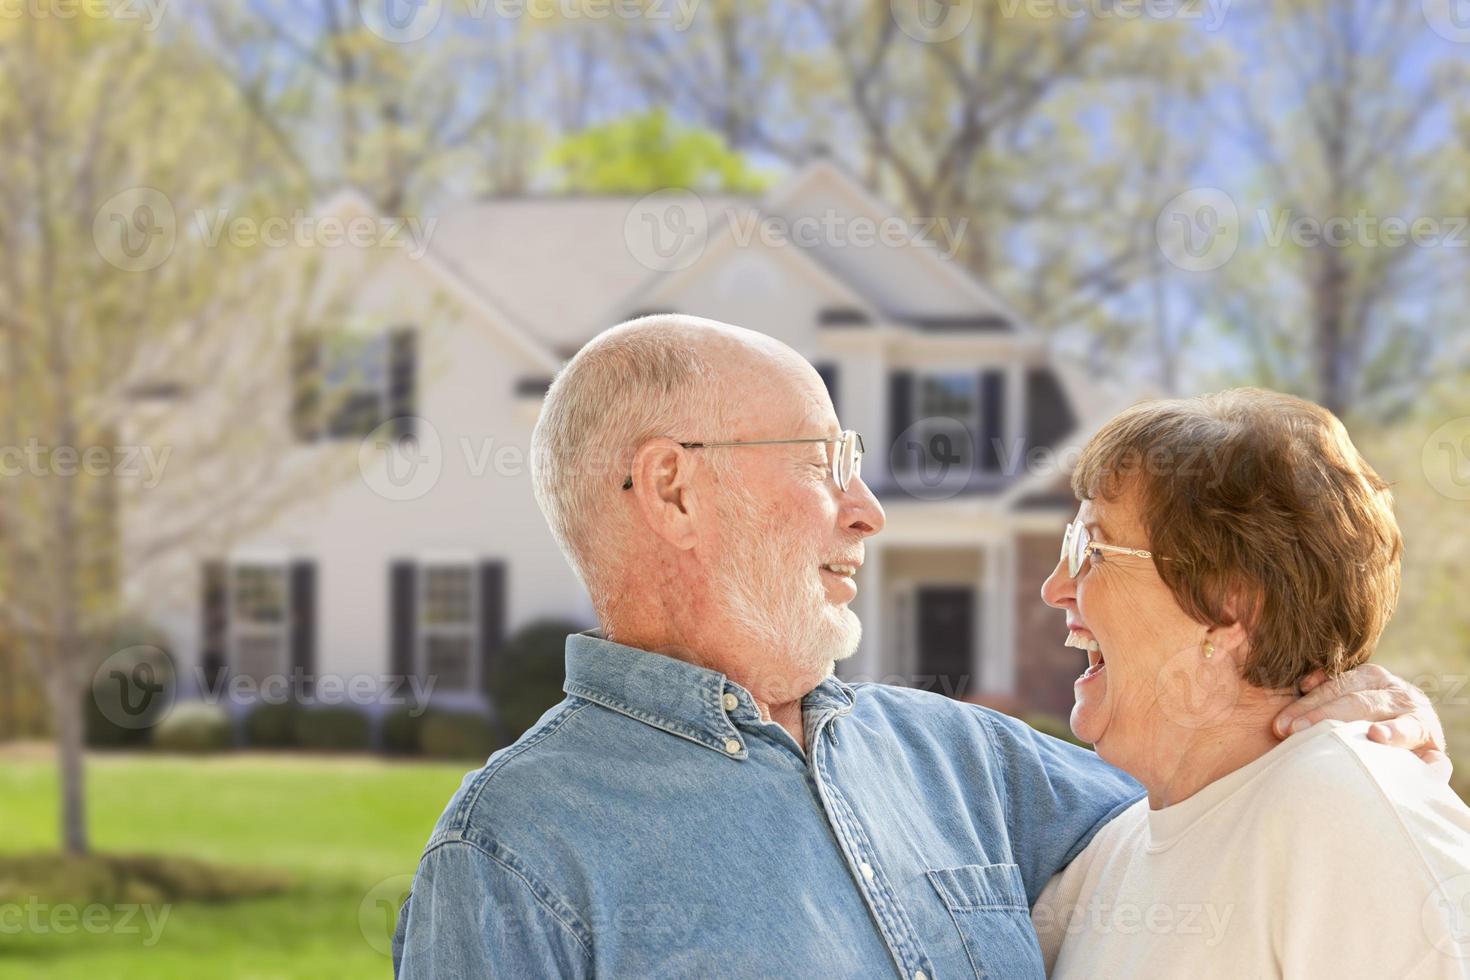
(743, 277)
(409, 284)
(902, 264)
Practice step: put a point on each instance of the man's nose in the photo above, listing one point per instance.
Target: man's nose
(861, 511)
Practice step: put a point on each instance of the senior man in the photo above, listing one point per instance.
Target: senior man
(710, 800)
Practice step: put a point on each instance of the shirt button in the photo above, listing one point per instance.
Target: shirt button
(867, 870)
(921, 975)
(731, 702)
(732, 746)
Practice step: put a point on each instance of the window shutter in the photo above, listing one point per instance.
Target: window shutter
(402, 617)
(992, 420)
(215, 620)
(306, 380)
(828, 371)
(303, 622)
(492, 619)
(1049, 415)
(900, 416)
(403, 380)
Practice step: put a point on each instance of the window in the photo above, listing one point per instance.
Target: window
(354, 384)
(959, 424)
(939, 399)
(447, 631)
(347, 383)
(259, 620)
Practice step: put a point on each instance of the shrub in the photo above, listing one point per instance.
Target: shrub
(140, 878)
(271, 726)
(403, 730)
(332, 729)
(457, 735)
(528, 674)
(1053, 726)
(193, 727)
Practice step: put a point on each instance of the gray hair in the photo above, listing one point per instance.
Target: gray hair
(636, 381)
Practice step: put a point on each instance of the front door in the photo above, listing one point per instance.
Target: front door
(946, 634)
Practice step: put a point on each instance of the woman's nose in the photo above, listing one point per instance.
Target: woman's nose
(1057, 591)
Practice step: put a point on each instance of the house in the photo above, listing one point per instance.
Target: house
(426, 558)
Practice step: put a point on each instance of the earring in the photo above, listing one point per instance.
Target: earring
(1209, 649)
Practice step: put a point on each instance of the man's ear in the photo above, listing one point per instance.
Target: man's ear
(662, 471)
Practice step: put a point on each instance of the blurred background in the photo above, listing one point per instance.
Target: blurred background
(283, 285)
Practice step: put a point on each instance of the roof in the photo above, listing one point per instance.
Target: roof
(555, 264)
(564, 267)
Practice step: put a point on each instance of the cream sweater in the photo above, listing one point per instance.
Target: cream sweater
(1330, 856)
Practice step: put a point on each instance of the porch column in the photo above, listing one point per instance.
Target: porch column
(995, 665)
(868, 663)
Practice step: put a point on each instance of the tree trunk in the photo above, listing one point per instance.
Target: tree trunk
(1332, 343)
(66, 707)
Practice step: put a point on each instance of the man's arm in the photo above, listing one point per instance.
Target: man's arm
(1057, 796)
(1406, 718)
(472, 914)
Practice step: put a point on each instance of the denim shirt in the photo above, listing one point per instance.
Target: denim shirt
(652, 825)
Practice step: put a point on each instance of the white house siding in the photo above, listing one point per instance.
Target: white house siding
(473, 356)
(466, 391)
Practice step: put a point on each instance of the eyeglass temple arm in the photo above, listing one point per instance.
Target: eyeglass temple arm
(755, 442)
(1119, 549)
(628, 480)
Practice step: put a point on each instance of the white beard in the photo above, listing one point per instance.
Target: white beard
(773, 589)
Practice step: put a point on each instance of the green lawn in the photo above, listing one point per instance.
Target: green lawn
(348, 830)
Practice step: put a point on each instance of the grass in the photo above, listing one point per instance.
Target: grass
(346, 833)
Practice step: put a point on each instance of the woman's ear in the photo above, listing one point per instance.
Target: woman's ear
(662, 491)
(1232, 633)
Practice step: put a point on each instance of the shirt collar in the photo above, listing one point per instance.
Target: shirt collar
(675, 695)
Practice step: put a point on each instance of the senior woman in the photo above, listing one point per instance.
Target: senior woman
(1226, 548)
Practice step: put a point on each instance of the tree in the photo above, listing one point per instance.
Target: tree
(1344, 111)
(126, 333)
(1045, 126)
(348, 102)
(646, 152)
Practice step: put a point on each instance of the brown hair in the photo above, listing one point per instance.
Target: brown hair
(1262, 496)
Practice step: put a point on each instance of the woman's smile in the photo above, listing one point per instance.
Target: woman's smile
(1082, 639)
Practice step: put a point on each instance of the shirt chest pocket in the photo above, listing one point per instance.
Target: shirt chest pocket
(988, 905)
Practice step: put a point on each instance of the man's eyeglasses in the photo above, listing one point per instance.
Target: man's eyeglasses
(846, 456)
(1078, 547)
